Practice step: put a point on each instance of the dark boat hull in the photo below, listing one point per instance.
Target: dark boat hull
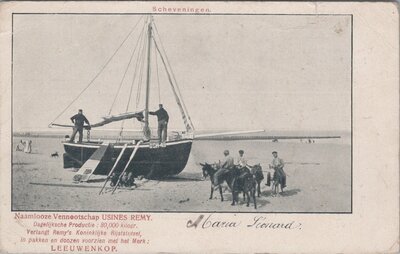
(150, 161)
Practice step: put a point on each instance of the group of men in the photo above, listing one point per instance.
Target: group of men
(79, 121)
(227, 163)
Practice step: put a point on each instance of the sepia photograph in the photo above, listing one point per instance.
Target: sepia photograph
(180, 127)
(243, 113)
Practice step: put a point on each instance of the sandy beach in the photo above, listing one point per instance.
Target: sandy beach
(319, 180)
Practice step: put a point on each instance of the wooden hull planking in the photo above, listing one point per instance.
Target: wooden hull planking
(149, 161)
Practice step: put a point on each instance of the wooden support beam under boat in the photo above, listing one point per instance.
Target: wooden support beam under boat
(127, 164)
(113, 168)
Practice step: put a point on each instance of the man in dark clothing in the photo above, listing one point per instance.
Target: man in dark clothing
(162, 117)
(78, 120)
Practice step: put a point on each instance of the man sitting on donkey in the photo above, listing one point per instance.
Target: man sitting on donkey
(225, 166)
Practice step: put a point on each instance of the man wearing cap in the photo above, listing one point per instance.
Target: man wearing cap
(78, 120)
(162, 117)
(225, 165)
(241, 160)
(242, 165)
(277, 164)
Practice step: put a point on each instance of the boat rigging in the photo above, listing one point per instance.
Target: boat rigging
(147, 39)
(141, 156)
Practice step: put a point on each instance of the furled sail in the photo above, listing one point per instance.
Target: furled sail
(112, 118)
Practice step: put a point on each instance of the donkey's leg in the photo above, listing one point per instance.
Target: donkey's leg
(258, 189)
(212, 191)
(234, 197)
(220, 192)
(254, 198)
(274, 189)
(248, 198)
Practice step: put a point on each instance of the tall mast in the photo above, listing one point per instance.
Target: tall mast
(146, 116)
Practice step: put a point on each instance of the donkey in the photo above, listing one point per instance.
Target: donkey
(210, 170)
(278, 180)
(245, 183)
(257, 172)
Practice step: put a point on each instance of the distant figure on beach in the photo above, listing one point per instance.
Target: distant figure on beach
(20, 146)
(78, 120)
(28, 146)
(279, 175)
(163, 118)
(241, 160)
(225, 165)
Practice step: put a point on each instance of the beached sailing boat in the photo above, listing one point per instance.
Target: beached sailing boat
(142, 156)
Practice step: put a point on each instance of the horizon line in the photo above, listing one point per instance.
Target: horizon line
(177, 129)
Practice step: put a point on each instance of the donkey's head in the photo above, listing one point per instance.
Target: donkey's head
(257, 167)
(208, 169)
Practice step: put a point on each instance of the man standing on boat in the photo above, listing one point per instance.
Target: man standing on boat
(162, 117)
(78, 120)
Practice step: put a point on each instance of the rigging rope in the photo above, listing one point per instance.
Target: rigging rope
(98, 74)
(178, 101)
(173, 76)
(139, 60)
(139, 66)
(126, 70)
(158, 79)
(141, 71)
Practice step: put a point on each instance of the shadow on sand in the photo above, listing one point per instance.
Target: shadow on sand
(27, 153)
(184, 177)
(286, 193)
(98, 180)
(22, 163)
(261, 201)
(179, 179)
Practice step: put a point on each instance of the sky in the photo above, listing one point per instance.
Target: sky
(234, 71)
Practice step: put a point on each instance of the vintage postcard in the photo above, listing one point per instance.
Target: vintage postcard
(130, 127)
